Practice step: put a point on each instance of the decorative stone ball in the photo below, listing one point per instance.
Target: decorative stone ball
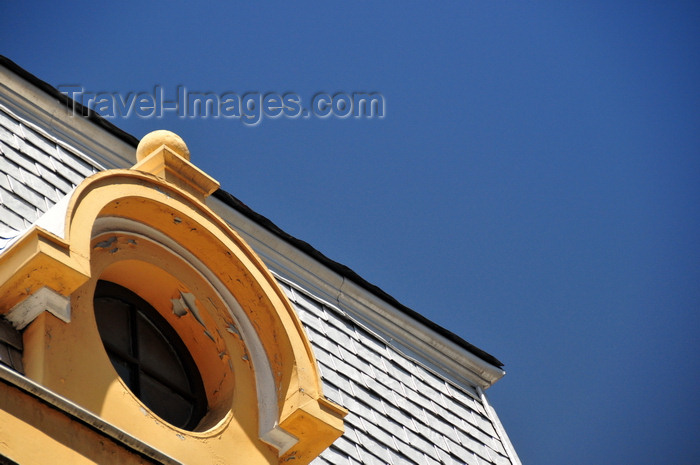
(155, 139)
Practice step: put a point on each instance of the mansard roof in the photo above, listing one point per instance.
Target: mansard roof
(36, 172)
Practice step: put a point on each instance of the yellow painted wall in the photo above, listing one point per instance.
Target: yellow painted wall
(69, 358)
(32, 433)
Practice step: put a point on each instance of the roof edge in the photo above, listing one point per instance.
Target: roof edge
(236, 204)
(347, 273)
(84, 111)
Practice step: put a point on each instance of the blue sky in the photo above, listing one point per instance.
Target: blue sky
(533, 185)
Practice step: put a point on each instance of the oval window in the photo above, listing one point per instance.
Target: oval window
(149, 356)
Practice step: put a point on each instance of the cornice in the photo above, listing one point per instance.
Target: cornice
(46, 112)
(394, 326)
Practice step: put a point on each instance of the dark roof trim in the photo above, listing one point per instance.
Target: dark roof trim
(94, 118)
(349, 274)
(242, 208)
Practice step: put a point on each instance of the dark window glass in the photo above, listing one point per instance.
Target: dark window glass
(149, 356)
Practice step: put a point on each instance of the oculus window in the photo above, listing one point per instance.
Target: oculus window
(149, 356)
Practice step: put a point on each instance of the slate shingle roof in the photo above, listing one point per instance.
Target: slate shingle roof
(11, 346)
(400, 411)
(35, 173)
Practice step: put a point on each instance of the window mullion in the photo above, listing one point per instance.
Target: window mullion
(135, 352)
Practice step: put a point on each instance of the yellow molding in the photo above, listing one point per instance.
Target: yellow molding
(37, 259)
(33, 431)
(168, 165)
(316, 424)
(162, 199)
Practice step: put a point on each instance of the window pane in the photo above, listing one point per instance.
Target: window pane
(149, 356)
(157, 355)
(113, 322)
(166, 403)
(123, 371)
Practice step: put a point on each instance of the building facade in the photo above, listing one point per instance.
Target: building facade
(148, 316)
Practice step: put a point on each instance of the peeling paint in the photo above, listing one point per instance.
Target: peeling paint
(106, 243)
(179, 309)
(187, 302)
(192, 306)
(231, 328)
(177, 220)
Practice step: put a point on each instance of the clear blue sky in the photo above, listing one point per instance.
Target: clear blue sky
(532, 187)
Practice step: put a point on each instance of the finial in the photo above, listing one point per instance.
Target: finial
(165, 155)
(155, 139)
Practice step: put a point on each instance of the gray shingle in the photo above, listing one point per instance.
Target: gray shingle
(39, 141)
(349, 370)
(384, 392)
(379, 435)
(19, 159)
(9, 217)
(76, 163)
(466, 395)
(56, 180)
(421, 443)
(414, 455)
(4, 180)
(391, 382)
(22, 208)
(8, 167)
(431, 435)
(372, 451)
(449, 459)
(364, 352)
(10, 124)
(351, 357)
(500, 459)
(402, 416)
(400, 458)
(8, 138)
(337, 335)
(39, 185)
(6, 232)
(400, 412)
(339, 380)
(30, 196)
(36, 155)
(335, 456)
(483, 423)
(308, 303)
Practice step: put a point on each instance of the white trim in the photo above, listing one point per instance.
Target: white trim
(500, 430)
(64, 405)
(81, 136)
(43, 300)
(467, 388)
